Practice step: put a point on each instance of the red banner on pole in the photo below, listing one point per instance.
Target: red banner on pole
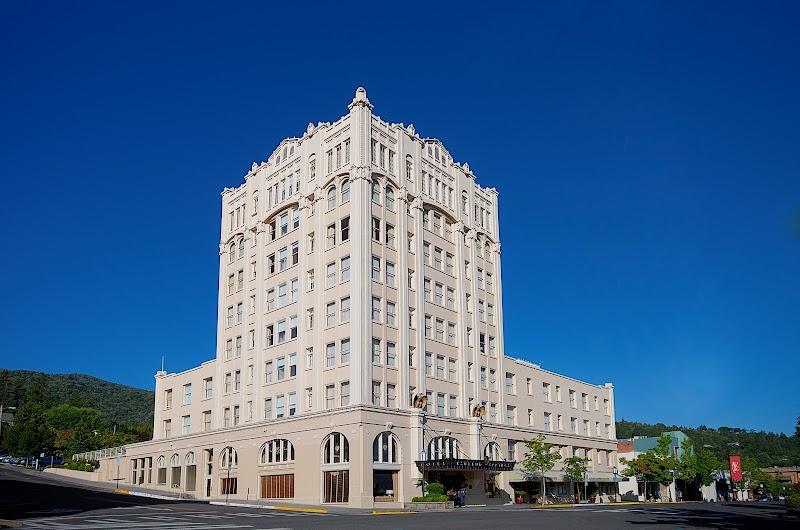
(735, 463)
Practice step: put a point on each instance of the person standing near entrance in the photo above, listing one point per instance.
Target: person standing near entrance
(461, 495)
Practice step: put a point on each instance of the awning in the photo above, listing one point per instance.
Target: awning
(463, 464)
(519, 475)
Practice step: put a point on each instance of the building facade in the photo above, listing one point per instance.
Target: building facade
(360, 331)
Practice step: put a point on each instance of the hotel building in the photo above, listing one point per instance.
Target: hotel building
(360, 339)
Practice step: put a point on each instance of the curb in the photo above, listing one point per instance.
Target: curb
(624, 503)
(392, 512)
(268, 507)
(6, 523)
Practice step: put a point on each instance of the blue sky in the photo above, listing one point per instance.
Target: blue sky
(647, 156)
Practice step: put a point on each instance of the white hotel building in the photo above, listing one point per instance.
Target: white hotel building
(359, 273)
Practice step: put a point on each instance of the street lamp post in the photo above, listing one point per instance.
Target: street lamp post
(228, 482)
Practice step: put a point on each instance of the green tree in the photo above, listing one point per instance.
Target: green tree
(540, 458)
(575, 468)
(654, 465)
(797, 428)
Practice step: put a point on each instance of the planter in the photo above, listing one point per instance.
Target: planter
(429, 506)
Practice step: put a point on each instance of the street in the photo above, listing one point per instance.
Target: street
(37, 500)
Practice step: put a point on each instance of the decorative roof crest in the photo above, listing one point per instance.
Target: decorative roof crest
(360, 99)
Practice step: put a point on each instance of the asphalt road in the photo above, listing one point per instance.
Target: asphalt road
(47, 502)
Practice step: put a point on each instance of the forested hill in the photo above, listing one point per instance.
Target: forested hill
(767, 448)
(117, 403)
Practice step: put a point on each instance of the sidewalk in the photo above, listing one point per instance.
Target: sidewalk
(175, 496)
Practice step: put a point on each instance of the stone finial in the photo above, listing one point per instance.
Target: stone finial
(360, 99)
(310, 128)
(254, 167)
(466, 167)
(411, 130)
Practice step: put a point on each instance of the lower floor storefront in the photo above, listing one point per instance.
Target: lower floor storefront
(358, 457)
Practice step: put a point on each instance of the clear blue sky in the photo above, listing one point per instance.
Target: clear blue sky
(647, 156)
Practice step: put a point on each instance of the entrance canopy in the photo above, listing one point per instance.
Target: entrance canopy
(463, 464)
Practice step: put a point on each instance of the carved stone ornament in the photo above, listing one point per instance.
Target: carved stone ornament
(254, 167)
(310, 128)
(466, 167)
(360, 99)
(411, 130)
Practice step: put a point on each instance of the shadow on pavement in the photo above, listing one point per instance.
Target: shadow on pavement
(733, 518)
(21, 499)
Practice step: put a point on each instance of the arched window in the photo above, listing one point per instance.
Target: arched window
(175, 461)
(241, 248)
(232, 253)
(389, 198)
(492, 451)
(277, 451)
(229, 458)
(331, 197)
(161, 470)
(345, 190)
(464, 201)
(409, 168)
(335, 449)
(190, 459)
(443, 447)
(376, 191)
(384, 449)
(487, 254)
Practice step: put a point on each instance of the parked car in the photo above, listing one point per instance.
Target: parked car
(765, 498)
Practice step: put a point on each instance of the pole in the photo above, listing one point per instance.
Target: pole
(228, 484)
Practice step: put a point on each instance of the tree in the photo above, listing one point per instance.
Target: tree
(654, 465)
(575, 471)
(540, 458)
(797, 428)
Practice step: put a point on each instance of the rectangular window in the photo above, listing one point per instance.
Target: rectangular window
(344, 226)
(376, 393)
(376, 268)
(345, 308)
(330, 314)
(451, 333)
(330, 275)
(390, 274)
(280, 406)
(330, 354)
(376, 309)
(440, 366)
(344, 393)
(268, 372)
(376, 229)
(428, 363)
(453, 412)
(440, 406)
(330, 396)
(345, 265)
(391, 354)
(345, 350)
(391, 316)
(376, 351)
(331, 236)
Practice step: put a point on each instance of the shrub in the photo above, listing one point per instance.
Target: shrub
(431, 498)
(81, 465)
(793, 501)
(434, 488)
(434, 492)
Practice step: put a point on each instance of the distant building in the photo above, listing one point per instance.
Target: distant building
(785, 475)
(630, 448)
(360, 342)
